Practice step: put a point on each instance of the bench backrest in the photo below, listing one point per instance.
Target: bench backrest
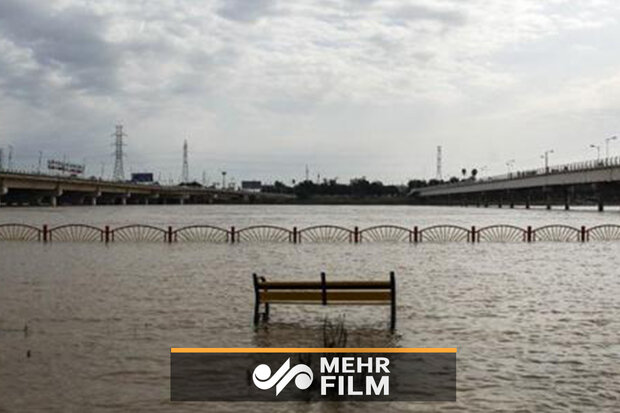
(325, 292)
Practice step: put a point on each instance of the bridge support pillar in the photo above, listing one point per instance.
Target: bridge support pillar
(3, 191)
(54, 197)
(93, 197)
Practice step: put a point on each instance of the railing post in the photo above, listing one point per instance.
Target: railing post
(232, 235)
(294, 235)
(323, 289)
(529, 233)
(415, 234)
(45, 233)
(473, 233)
(169, 234)
(107, 234)
(356, 235)
(583, 233)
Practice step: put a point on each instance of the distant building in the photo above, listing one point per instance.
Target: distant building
(252, 186)
(142, 177)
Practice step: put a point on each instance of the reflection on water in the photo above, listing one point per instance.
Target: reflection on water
(536, 326)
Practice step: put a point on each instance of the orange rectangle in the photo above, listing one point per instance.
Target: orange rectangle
(311, 350)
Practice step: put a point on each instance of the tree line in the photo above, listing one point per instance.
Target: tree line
(357, 187)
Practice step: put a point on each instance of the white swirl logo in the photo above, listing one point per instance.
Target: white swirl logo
(264, 380)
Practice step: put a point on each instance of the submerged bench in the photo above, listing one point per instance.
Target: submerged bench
(324, 293)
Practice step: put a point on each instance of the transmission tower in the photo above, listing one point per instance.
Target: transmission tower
(439, 174)
(119, 172)
(10, 161)
(185, 173)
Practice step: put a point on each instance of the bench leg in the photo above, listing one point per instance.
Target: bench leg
(266, 311)
(256, 312)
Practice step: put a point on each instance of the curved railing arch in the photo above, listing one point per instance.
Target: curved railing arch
(386, 233)
(201, 233)
(605, 232)
(326, 233)
(20, 232)
(138, 232)
(76, 232)
(264, 233)
(501, 233)
(444, 233)
(556, 233)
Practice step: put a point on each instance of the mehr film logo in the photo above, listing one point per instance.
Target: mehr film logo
(337, 374)
(313, 374)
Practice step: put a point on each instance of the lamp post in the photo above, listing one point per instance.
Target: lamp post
(613, 138)
(509, 165)
(598, 151)
(545, 156)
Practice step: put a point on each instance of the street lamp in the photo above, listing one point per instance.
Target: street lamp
(545, 156)
(613, 138)
(598, 151)
(509, 165)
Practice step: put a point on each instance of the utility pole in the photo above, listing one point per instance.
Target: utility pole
(598, 151)
(40, 161)
(185, 173)
(119, 172)
(613, 138)
(439, 173)
(509, 165)
(545, 156)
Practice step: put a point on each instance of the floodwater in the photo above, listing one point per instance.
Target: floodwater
(536, 325)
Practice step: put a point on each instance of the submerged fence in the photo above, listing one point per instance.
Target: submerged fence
(312, 234)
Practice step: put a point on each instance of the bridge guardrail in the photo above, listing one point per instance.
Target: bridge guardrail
(580, 166)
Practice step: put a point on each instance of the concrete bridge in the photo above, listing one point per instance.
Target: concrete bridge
(37, 189)
(595, 182)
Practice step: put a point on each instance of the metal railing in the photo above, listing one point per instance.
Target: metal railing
(313, 234)
(590, 165)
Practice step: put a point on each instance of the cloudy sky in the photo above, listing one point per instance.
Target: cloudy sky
(260, 88)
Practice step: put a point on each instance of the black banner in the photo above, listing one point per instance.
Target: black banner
(258, 375)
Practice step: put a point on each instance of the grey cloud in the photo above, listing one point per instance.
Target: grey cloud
(246, 11)
(411, 12)
(68, 41)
